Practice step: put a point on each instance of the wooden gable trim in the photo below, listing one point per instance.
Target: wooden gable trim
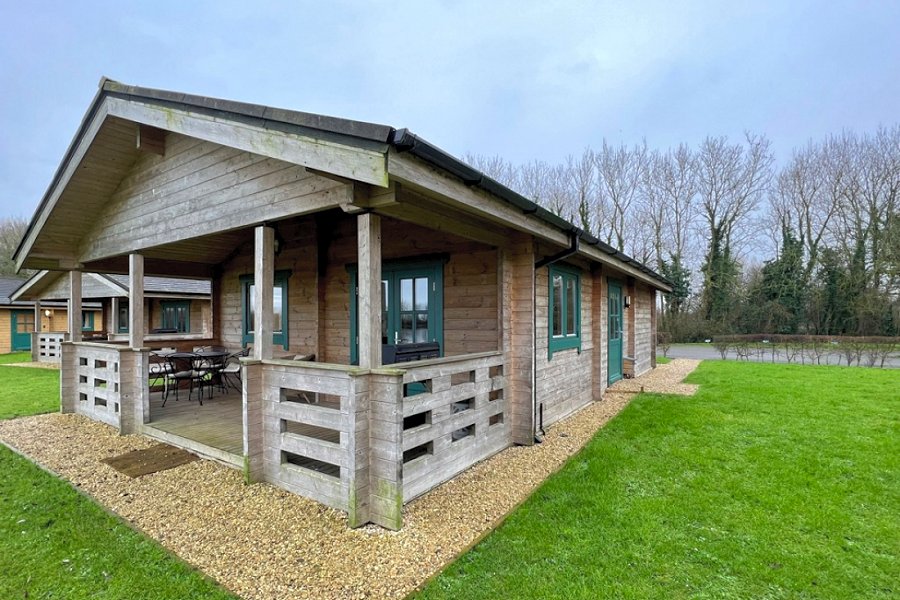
(352, 162)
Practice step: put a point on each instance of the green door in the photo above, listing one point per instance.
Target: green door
(22, 326)
(411, 303)
(615, 332)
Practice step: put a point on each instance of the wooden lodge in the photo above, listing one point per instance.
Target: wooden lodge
(440, 316)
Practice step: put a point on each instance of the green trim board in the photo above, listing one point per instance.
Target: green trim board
(417, 314)
(564, 309)
(280, 337)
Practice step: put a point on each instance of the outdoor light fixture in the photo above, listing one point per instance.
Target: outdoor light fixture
(627, 301)
(47, 312)
(278, 243)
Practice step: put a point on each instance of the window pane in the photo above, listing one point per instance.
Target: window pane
(421, 293)
(406, 294)
(556, 328)
(572, 306)
(385, 303)
(422, 327)
(251, 321)
(406, 327)
(277, 298)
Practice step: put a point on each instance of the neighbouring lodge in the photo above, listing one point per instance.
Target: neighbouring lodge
(405, 315)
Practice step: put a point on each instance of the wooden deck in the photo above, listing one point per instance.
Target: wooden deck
(214, 430)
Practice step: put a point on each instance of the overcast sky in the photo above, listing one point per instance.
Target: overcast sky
(519, 79)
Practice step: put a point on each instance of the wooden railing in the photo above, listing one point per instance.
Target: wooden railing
(454, 415)
(46, 346)
(307, 429)
(95, 380)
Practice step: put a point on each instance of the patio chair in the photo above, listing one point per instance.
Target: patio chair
(159, 369)
(183, 366)
(231, 373)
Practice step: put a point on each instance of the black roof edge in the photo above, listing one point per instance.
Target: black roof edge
(404, 140)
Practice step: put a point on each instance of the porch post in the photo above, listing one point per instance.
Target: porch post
(368, 233)
(135, 300)
(74, 316)
(263, 284)
(518, 340)
(35, 342)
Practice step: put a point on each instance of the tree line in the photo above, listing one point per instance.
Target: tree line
(808, 247)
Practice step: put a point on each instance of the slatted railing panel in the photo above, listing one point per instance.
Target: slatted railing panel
(49, 346)
(306, 430)
(455, 415)
(97, 379)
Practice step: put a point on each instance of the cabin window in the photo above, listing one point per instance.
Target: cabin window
(564, 309)
(176, 314)
(122, 318)
(279, 308)
(87, 320)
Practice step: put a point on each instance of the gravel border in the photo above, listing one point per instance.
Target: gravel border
(261, 542)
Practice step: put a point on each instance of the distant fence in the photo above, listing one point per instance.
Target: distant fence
(871, 351)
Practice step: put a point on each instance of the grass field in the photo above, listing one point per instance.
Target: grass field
(55, 542)
(774, 481)
(25, 391)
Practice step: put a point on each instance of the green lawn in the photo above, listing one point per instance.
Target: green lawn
(26, 391)
(56, 543)
(774, 481)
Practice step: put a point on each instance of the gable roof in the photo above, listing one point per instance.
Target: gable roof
(373, 137)
(112, 286)
(8, 285)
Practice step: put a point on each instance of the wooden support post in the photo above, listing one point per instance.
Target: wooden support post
(75, 318)
(129, 386)
(35, 344)
(518, 351)
(385, 397)
(598, 329)
(252, 410)
(369, 285)
(358, 451)
(68, 376)
(263, 290)
(135, 300)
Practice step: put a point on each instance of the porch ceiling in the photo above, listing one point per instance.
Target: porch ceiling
(98, 174)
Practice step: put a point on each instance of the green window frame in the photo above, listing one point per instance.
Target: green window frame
(122, 317)
(87, 320)
(176, 314)
(280, 305)
(564, 314)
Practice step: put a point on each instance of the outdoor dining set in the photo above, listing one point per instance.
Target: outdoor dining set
(205, 369)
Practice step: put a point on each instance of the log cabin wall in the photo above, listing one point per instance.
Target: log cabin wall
(564, 381)
(642, 303)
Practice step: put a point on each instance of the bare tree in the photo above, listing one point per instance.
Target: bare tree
(11, 231)
(621, 173)
(670, 200)
(584, 190)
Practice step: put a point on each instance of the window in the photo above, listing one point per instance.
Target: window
(565, 309)
(122, 317)
(87, 320)
(176, 314)
(279, 308)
